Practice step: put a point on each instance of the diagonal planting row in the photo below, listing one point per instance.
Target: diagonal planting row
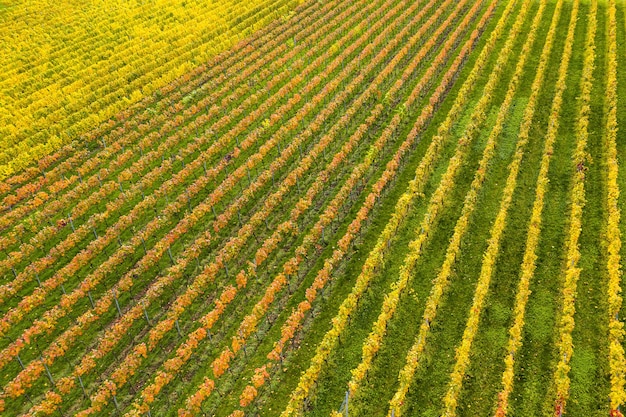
(617, 362)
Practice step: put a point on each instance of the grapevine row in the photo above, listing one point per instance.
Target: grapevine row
(565, 324)
(617, 363)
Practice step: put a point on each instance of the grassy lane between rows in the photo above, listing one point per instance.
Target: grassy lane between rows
(621, 122)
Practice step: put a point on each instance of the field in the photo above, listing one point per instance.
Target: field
(326, 208)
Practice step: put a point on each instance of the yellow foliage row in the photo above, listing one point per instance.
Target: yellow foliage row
(577, 197)
(375, 261)
(534, 227)
(69, 65)
(616, 327)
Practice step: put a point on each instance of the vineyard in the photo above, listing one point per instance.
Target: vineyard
(324, 208)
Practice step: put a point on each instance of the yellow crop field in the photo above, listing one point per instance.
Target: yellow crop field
(68, 65)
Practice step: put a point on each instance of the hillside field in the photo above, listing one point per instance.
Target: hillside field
(333, 208)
